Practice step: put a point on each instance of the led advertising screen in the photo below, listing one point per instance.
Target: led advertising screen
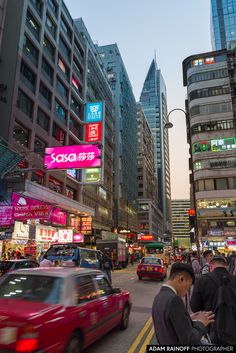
(72, 157)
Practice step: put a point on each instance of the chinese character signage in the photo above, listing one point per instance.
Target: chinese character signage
(44, 233)
(93, 112)
(93, 132)
(6, 215)
(72, 157)
(65, 235)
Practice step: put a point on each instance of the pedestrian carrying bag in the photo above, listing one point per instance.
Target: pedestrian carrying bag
(224, 326)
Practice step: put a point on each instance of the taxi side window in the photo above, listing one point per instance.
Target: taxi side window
(85, 289)
(103, 285)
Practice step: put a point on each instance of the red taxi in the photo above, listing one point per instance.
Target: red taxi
(58, 310)
(152, 267)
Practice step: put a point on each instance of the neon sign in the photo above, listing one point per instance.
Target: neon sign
(72, 157)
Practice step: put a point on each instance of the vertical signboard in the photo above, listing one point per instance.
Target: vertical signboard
(94, 132)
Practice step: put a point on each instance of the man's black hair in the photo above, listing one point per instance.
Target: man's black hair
(219, 259)
(179, 267)
(207, 252)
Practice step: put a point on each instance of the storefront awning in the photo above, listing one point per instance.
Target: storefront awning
(42, 193)
(155, 245)
(8, 159)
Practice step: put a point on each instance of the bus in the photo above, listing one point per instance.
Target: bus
(71, 254)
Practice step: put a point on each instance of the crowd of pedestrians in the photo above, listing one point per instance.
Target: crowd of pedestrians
(197, 305)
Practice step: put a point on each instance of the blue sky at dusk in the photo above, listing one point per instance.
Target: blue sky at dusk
(175, 29)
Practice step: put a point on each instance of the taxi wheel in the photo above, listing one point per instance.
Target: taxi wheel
(140, 278)
(125, 318)
(74, 345)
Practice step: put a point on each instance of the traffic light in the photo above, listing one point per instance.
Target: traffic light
(191, 217)
(203, 147)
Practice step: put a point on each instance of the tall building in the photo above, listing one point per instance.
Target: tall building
(149, 215)
(211, 108)
(154, 103)
(180, 222)
(223, 24)
(43, 66)
(97, 88)
(125, 169)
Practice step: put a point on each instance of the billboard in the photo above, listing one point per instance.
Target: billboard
(93, 132)
(94, 112)
(72, 157)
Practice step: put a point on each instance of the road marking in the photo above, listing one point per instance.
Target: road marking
(140, 336)
(147, 341)
(132, 278)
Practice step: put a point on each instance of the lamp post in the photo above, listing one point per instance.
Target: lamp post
(169, 125)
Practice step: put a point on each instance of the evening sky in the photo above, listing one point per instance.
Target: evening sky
(176, 29)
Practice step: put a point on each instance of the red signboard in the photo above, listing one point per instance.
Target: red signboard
(6, 215)
(146, 237)
(23, 213)
(93, 132)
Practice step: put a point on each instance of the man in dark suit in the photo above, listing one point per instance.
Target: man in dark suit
(205, 288)
(172, 322)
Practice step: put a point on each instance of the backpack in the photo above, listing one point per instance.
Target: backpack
(106, 265)
(225, 310)
(205, 269)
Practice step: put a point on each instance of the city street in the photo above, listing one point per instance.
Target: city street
(140, 331)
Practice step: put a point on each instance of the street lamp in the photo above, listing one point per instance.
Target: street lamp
(169, 125)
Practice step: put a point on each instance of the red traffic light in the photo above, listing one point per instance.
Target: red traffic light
(191, 212)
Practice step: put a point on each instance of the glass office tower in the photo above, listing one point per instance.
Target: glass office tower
(223, 24)
(154, 103)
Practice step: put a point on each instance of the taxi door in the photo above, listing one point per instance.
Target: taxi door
(110, 304)
(87, 309)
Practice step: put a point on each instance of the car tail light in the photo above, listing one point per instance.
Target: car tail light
(160, 269)
(27, 341)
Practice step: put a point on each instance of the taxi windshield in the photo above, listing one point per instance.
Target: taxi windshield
(151, 261)
(34, 288)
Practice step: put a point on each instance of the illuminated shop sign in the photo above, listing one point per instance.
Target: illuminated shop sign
(92, 175)
(93, 132)
(215, 164)
(226, 144)
(94, 112)
(72, 157)
(203, 61)
(217, 243)
(231, 242)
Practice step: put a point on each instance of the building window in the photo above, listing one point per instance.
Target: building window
(43, 120)
(232, 183)
(209, 184)
(210, 75)
(75, 106)
(32, 25)
(63, 68)
(70, 192)
(212, 126)
(66, 29)
(21, 135)
(79, 49)
(209, 92)
(51, 26)
(75, 128)
(55, 185)
(64, 48)
(61, 89)
(78, 69)
(30, 50)
(76, 84)
(38, 177)
(38, 5)
(53, 6)
(25, 104)
(28, 76)
(221, 184)
(60, 112)
(39, 146)
(48, 48)
(58, 134)
(47, 70)
(45, 95)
